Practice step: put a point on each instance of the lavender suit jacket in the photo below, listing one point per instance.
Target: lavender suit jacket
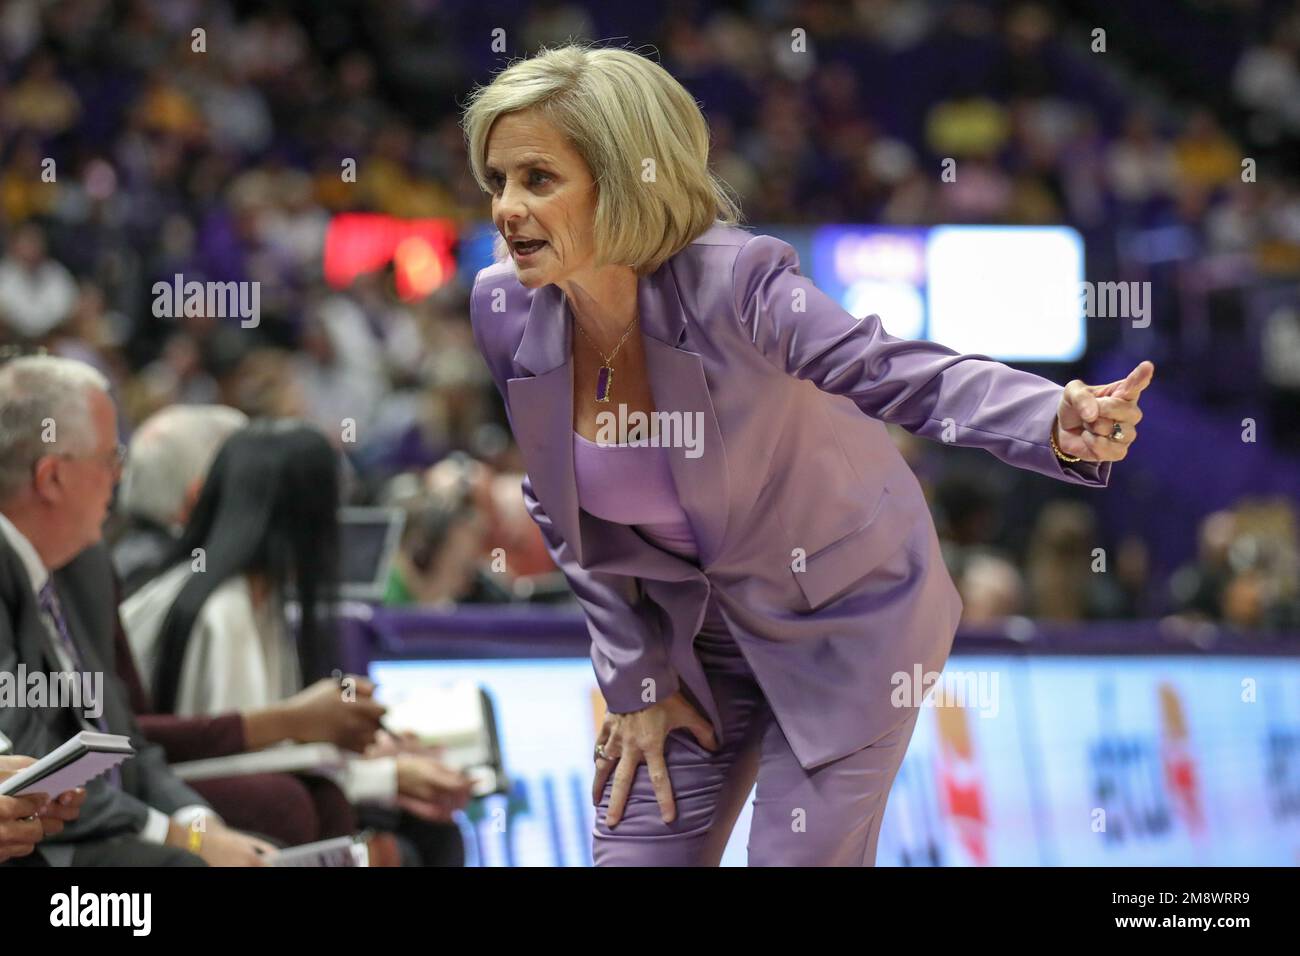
(792, 392)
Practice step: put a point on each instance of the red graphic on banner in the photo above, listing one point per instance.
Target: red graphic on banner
(960, 784)
(1179, 764)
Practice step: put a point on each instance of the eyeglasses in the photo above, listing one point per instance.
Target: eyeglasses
(114, 459)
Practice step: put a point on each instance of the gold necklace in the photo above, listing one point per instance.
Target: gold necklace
(605, 376)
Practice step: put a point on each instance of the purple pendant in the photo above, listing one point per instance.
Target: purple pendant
(604, 379)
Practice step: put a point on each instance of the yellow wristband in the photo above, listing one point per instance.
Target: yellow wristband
(1057, 448)
(196, 840)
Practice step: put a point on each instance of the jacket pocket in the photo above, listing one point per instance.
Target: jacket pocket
(831, 570)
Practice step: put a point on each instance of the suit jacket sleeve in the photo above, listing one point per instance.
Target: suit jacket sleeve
(195, 738)
(627, 642)
(924, 387)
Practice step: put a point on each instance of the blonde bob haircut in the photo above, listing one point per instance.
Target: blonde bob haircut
(641, 134)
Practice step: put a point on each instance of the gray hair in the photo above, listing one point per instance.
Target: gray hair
(44, 410)
(171, 450)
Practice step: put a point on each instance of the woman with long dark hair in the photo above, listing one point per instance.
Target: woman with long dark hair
(211, 634)
(265, 527)
(268, 514)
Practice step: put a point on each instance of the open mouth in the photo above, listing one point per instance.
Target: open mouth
(523, 248)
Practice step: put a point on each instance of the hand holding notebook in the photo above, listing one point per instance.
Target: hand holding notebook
(71, 765)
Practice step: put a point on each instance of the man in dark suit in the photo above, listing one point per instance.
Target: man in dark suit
(59, 462)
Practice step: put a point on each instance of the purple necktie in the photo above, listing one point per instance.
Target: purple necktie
(50, 605)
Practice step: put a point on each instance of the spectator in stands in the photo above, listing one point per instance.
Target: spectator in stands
(166, 463)
(36, 292)
(1205, 158)
(40, 101)
(436, 563)
(1245, 575)
(1266, 79)
(220, 640)
(440, 558)
(1068, 580)
(1196, 588)
(1140, 164)
(969, 517)
(991, 589)
(514, 531)
(57, 617)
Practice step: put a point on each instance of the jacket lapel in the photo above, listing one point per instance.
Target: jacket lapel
(35, 644)
(541, 408)
(678, 383)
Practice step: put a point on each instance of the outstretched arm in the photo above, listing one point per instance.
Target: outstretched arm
(925, 387)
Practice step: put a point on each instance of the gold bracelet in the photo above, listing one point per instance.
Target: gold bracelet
(1057, 448)
(196, 840)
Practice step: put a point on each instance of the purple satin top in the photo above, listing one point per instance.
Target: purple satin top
(633, 485)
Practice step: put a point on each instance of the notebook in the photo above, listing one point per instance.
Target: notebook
(458, 717)
(340, 851)
(286, 758)
(74, 763)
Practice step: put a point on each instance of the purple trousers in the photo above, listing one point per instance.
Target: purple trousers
(827, 816)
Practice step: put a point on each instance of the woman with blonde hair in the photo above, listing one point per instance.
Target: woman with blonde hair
(707, 459)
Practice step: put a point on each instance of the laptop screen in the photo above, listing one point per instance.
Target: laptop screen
(368, 539)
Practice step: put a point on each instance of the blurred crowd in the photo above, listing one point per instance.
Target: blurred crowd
(1245, 574)
(133, 148)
